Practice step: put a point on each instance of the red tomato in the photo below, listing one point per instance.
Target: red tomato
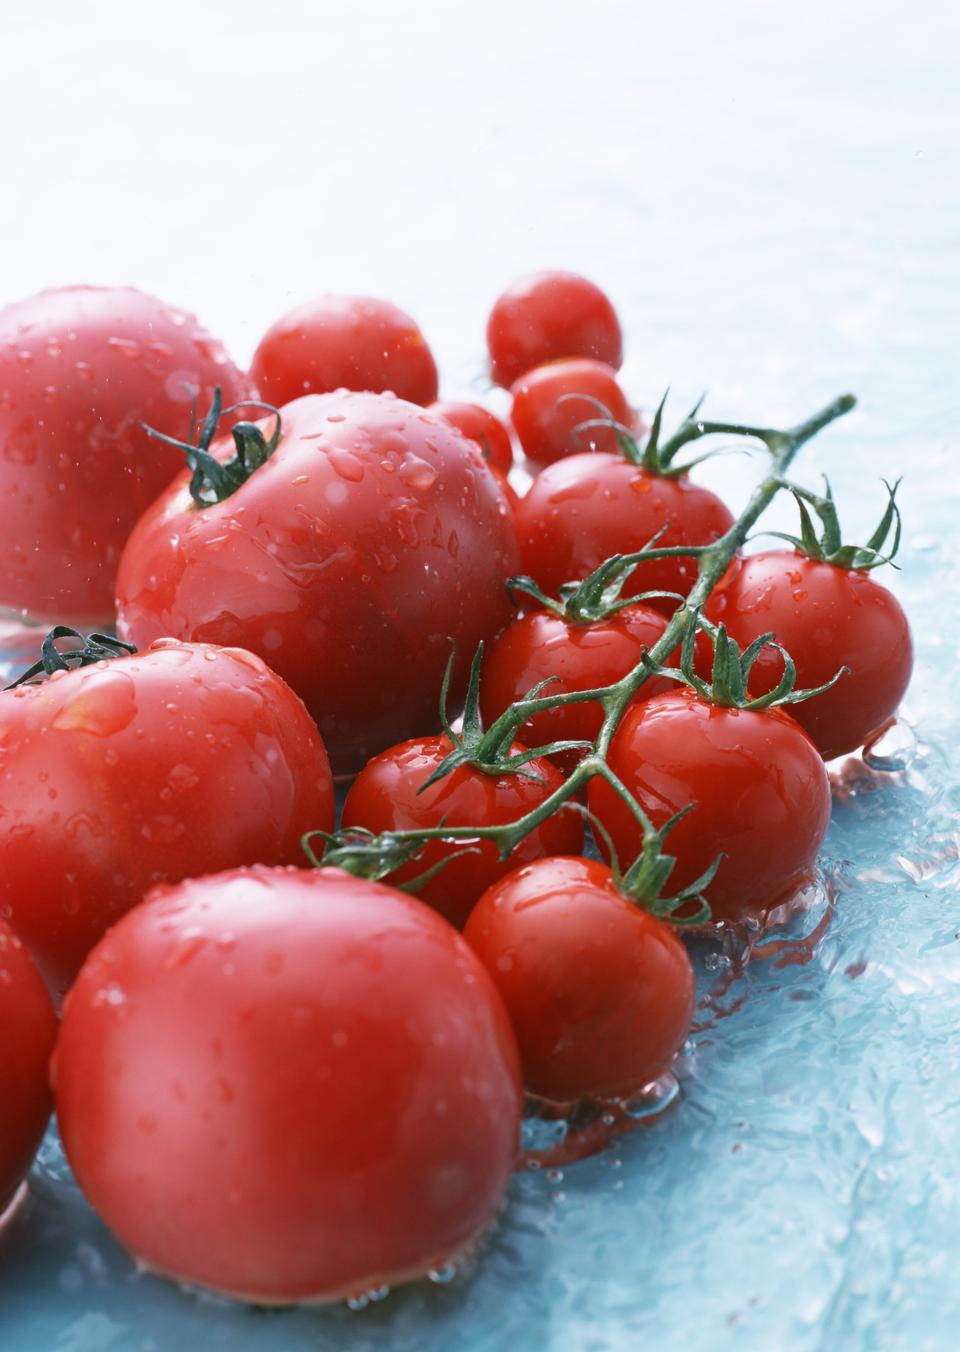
(509, 492)
(288, 1085)
(80, 369)
(546, 414)
(344, 342)
(584, 508)
(28, 1028)
(385, 797)
(762, 795)
(600, 993)
(826, 617)
(373, 536)
(171, 763)
(481, 426)
(549, 315)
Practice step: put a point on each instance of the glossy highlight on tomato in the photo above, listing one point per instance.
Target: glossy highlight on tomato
(548, 315)
(481, 426)
(28, 1028)
(552, 403)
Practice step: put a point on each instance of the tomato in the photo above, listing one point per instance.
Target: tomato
(171, 763)
(600, 993)
(509, 492)
(80, 368)
(549, 315)
(551, 402)
(386, 797)
(584, 508)
(344, 342)
(483, 427)
(28, 1028)
(826, 617)
(373, 536)
(761, 792)
(288, 1085)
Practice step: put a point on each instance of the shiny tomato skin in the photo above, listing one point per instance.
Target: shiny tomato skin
(81, 368)
(580, 510)
(178, 761)
(348, 561)
(384, 797)
(762, 795)
(28, 1028)
(550, 402)
(600, 992)
(288, 1084)
(826, 617)
(548, 315)
(509, 492)
(481, 426)
(344, 342)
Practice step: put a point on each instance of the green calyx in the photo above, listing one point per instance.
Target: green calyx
(597, 597)
(212, 480)
(365, 855)
(828, 546)
(89, 649)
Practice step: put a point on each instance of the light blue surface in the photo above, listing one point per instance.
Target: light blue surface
(771, 195)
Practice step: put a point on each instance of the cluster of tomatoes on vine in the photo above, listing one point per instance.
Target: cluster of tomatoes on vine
(303, 1083)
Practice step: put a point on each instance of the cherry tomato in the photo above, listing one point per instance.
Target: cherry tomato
(826, 617)
(344, 342)
(481, 426)
(288, 1085)
(551, 402)
(373, 536)
(761, 792)
(28, 1028)
(600, 993)
(171, 763)
(549, 315)
(386, 797)
(80, 368)
(584, 508)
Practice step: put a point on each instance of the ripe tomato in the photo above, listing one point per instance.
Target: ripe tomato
(344, 342)
(600, 993)
(481, 426)
(160, 766)
(762, 795)
(288, 1085)
(549, 315)
(80, 368)
(385, 797)
(28, 1028)
(826, 617)
(584, 508)
(550, 403)
(373, 536)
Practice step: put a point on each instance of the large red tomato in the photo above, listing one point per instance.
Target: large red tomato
(160, 766)
(288, 1085)
(549, 315)
(349, 560)
(552, 404)
(28, 1028)
(80, 369)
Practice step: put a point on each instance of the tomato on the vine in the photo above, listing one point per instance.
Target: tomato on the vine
(481, 426)
(553, 404)
(549, 315)
(28, 1028)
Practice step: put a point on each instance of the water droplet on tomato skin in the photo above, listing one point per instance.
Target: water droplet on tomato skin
(127, 346)
(443, 1274)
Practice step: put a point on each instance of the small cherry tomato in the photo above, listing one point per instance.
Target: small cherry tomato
(600, 992)
(28, 1028)
(288, 1085)
(386, 796)
(551, 403)
(344, 342)
(549, 315)
(761, 791)
(826, 617)
(481, 426)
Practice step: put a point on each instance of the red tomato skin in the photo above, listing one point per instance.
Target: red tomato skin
(481, 426)
(384, 797)
(175, 762)
(545, 417)
(80, 368)
(581, 656)
(826, 617)
(509, 492)
(28, 1029)
(600, 992)
(548, 315)
(762, 795)
(374, 529)
(344, 342)
(288, 1084)
(580, 510)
